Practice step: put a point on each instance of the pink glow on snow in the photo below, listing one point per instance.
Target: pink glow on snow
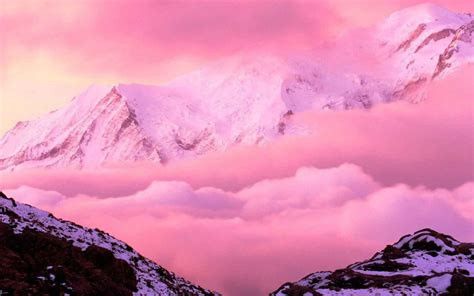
(68, 46)
(292, 206)
(249, 242)
(394, 143)
(246, 220)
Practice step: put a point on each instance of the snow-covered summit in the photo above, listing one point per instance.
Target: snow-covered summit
(412, 16)
(423, 263)
(80, 260)
(417, 41)
(249, 98)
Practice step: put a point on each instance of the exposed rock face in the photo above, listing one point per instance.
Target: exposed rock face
(107, 131)
(462, 38)
(43, 255)
(423, 44)
(444, 33)
(415, 34)
(424, 263)
(35, 263)
(243, 99)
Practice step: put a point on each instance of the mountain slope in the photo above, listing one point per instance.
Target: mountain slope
(45, 255)
(425, 42)
(423, 263)
(245, 99)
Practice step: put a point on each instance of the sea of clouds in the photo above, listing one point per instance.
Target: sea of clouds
(246, 220)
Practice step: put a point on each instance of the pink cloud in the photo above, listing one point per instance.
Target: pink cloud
(132, 37)
(124, 36)
(251, 241)
(366, 12)
(429, 144)
(248, 219)
(52, 50)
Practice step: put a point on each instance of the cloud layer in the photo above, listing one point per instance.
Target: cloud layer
(51, 50)
(249, 242)
(248, 219)
(428, 144)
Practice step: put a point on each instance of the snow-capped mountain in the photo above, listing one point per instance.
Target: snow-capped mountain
(423, 263)
(424, 42)
(249, 98)
(43, 255)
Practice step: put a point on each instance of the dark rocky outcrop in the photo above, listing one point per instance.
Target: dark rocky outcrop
(424, 263)
(43, 255)
(37, 263)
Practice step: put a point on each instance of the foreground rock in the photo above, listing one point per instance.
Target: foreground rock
(43, 255)
(424, 263)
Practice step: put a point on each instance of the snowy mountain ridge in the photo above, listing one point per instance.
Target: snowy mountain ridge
(149, 278)
(423, 263)
(245, 99)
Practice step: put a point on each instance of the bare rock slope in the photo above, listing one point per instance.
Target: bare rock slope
(249, 98)
(43, 255)
(423, 263)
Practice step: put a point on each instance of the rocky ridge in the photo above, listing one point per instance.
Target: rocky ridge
(424, 263)
(246, 99)
(42, 254)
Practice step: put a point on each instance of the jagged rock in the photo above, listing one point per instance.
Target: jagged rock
(424, 263)
(43, 255)
(242, 99)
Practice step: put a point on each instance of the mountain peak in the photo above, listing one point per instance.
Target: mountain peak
(42, 254)
(245, 99)
(425, 12)
(427, 238)
(404, 22)
(426, 262)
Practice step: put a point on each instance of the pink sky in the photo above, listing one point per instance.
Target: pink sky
(427, 144)
(252, 241)
(52, 50)
(276, 213)
(272, 214)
